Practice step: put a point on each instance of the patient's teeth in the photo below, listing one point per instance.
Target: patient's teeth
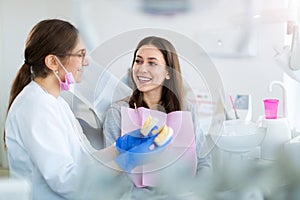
(144, 78)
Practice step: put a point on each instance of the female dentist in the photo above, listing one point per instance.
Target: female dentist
(44, 141)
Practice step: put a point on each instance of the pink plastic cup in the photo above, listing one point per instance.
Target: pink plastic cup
(271, 107)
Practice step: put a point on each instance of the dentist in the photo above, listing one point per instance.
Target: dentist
(44, 141)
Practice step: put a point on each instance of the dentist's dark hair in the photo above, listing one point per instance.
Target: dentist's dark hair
(51, 36)
(172, 92)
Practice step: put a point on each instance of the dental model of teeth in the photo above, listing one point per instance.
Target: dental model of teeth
(164, 133)
(148, 125)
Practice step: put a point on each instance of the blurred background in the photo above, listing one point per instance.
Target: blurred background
(242, 38)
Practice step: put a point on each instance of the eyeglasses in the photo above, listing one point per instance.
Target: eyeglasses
(81, 55)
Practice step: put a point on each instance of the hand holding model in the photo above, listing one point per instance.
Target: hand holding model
(134, 147)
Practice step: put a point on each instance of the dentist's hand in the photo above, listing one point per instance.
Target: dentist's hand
(132, 139)
(133, 149)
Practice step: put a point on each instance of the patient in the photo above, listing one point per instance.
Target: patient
(156, 75)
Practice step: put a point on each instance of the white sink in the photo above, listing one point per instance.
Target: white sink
(239, 136)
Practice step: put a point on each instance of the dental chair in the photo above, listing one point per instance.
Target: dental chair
(94, 135)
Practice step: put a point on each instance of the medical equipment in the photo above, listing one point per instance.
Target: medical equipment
(234, 108)
(284, 96)
(277, 134)
(243, 104)
(239, 136)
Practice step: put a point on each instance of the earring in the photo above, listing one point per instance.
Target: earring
(56, 71)
(168, 77)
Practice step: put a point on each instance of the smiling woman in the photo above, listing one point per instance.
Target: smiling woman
(149, 71)
(54, 59)
(158, 87)
(157, 76)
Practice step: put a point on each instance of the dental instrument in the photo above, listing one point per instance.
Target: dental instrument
(227, 117)
(234, 108)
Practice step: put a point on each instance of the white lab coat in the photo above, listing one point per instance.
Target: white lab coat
(43, 147)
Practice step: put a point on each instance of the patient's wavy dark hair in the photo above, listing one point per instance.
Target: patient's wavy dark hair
(172, 92)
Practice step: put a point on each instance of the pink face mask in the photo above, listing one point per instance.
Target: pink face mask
(69, 78)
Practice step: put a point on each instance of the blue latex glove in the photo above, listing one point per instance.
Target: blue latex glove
(132, 139)
(134, 156)
(135, 150)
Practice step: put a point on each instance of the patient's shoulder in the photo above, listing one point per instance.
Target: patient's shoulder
(121, 103)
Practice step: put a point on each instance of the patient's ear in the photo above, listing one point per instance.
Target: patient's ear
(51, 62)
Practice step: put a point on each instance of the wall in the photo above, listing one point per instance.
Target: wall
(2, 104)
(246, 73)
